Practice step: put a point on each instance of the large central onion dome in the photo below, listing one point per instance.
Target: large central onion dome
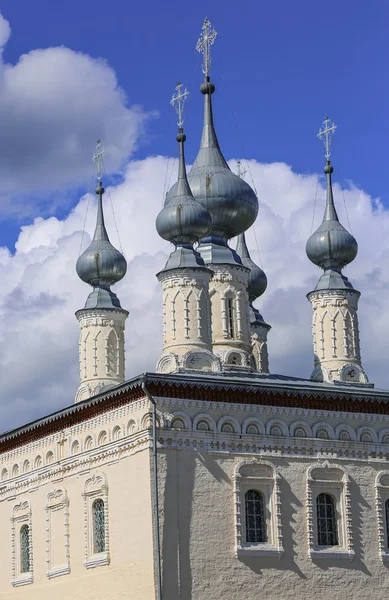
(183, 220)
(101, 265)
(331, 246)
(230, 201)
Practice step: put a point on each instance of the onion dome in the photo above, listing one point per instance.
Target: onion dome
(101, 265)
(257, 280)
(183, 221)
(331, 247)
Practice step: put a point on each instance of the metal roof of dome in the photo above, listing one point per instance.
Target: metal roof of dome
(257, 279)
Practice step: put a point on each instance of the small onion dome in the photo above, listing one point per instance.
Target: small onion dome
(230, 201)
(257, 280)
(101, 264)
(331, 246)
(183, 220)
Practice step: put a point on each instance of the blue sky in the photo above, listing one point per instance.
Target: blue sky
(278, 66)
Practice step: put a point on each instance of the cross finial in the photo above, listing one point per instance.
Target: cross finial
(240, 171)
(206, 39)
(98, 159)
(325, 134)
(178, 101)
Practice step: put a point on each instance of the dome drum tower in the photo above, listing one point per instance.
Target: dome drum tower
(102, 320)
(334, 301)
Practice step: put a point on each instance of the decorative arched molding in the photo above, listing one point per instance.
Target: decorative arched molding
(367, 431)
(228, 419)
(57, 521)
(231, 356)
(131, 427)
(253, 421)
(116, 432)
(38, 462)
(21, 515)
(75, 447)
(273, 423)
(325, 427)
(26, 466)
(102, 438)
(347, 370)
(341, 428)
(294, 427)
(185, 418)
(204, 417)
(89, 442)
(320, 374)
(262, 476)
(382, 434)
(15, 470)
(50, 458)
(4, 474)
(168, 363)
(334, 480)
(95, 487)
(382, 496)
(201, 360)
(147, 421)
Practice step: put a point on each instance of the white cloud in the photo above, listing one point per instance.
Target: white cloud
(40, 290)
(54, 104)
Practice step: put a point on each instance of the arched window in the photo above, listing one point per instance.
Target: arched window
(255, 517)
(230, 317)
(98, 517)
(327, 530)
(25, 549)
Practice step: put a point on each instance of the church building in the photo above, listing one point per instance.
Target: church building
(212, 477)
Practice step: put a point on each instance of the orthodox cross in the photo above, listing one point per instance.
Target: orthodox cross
(98, 159)
(325, 134)
(178, 101)
(206, 39)
(240, 171)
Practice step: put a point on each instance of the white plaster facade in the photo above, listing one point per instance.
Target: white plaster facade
(187, 335)
(101, 350)
(335, 333)
(231, 335)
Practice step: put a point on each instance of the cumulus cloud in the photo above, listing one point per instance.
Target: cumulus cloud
(54, 103)
(40, 290)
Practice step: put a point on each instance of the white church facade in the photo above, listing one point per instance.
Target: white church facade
(212, 477)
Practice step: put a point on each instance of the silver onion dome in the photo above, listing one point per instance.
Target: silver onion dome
(331, 246)
(183, 220)
(231, 202)
(101, 264)
(257, 280)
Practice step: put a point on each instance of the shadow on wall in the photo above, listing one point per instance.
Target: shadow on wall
(177, 575)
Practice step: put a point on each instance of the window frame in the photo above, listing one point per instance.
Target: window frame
(262, 476)
(382, 496)
(57, 500)
(21, 515)
(337, 486)
(95, 488)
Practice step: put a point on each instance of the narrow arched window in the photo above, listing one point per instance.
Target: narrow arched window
(327, 530)
(255, 517)
(387, 521)
(98, 516)
(25, 549)
(230, 317)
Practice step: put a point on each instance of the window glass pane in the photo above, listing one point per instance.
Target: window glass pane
(255, 517)
(327, 530)
(387, 522)
(98, 526)
(24, 549)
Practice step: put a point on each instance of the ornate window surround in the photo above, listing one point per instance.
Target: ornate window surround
(339, 488)
(382, 494)
(95, 487)
(57, 500)
(21, 515)
(262, 476)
